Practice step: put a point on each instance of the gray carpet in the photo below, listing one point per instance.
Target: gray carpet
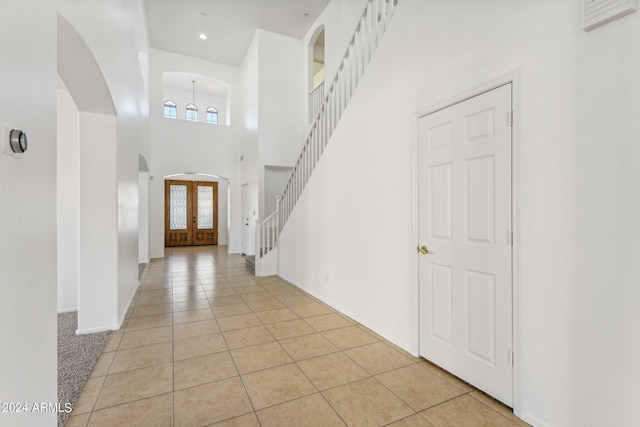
(77, 355)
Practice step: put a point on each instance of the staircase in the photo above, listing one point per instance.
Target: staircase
(364, 42)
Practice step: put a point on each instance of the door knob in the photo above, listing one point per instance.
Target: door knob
(423, 250)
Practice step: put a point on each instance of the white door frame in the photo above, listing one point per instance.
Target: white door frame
(515, 78)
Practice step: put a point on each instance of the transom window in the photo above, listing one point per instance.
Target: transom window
(192, 112)
(212, 115)
(170, 110)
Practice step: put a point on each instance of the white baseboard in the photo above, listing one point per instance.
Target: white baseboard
(67, 310)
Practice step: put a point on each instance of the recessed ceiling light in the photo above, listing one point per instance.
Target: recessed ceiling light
(306, 15)
(203, 36)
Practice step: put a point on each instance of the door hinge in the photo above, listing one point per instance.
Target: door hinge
(510, 357)
(510, 118)
(510, 237)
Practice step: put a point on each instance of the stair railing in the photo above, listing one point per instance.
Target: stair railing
(371, 27)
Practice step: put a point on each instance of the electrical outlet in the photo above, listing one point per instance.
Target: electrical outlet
(5, 144)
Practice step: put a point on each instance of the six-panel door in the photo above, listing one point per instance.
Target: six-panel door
(465, 224)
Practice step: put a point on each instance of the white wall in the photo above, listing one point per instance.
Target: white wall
(275, 179)
(98, 293)
(179, 146)
(118, 60)
(282, 84)
(249, 141)
(144, 182)
(576, 108)
(68, 200)
(28, 211)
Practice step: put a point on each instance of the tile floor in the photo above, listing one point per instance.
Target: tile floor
(206, 343)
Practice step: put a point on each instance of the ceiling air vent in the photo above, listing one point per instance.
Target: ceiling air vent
(600, 12)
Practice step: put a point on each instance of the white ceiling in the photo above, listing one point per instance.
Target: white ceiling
(175, 25)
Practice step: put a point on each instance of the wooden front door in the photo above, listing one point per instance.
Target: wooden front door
(191, 213)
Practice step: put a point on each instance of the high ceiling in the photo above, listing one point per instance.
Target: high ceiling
(176, 25)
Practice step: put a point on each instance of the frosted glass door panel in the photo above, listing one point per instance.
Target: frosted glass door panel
(178, 207)
(205, 207)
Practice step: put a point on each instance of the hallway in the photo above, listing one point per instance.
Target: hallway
(207, 343)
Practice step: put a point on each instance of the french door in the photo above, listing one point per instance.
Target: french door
(191, 213)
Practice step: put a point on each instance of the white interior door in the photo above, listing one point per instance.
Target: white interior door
(465, 224)
(246, 214)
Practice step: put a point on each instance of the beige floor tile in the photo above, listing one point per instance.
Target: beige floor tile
(309, 310)
(257, 357)
(103, 364)
(203, 369)
(502, 409)
(221, 301)
(238, 322)
(209, 403)
(231, 310)
(141, 357)
(150, 310)
(257, 296)
(285, 292)
(80, 420)
(148, 322)
(213, 291)
(151, 412)
(144, 301)
(150, 286)
(415, 420)
(187, 348)
(307, 346)
(290, 329)
(308, 411)
(349, 337)
(332, 370)
(279, 315)
(187, 297)
(113, 341)
(265, 305)
(276, 385)
(418, 387)
(246, 420)
(446, 375)
(366, 403)
(192, 304)
(326, 322)
(155, 293)
(190, 292)
(146, 337)
(134, 385)
(465, 411)
(378, 357)
(192, 316)
(195, 329)
(246, 287)
(88, 396)
(297, 300)
(246, 337)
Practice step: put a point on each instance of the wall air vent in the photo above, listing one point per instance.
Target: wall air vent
(600, 12)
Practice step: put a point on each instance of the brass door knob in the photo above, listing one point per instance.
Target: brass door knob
(423, 250)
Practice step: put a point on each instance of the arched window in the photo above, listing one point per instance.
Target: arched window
(192, 112)
(170, 110)
(212, 115)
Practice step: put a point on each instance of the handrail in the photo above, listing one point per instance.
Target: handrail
(365, 40)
